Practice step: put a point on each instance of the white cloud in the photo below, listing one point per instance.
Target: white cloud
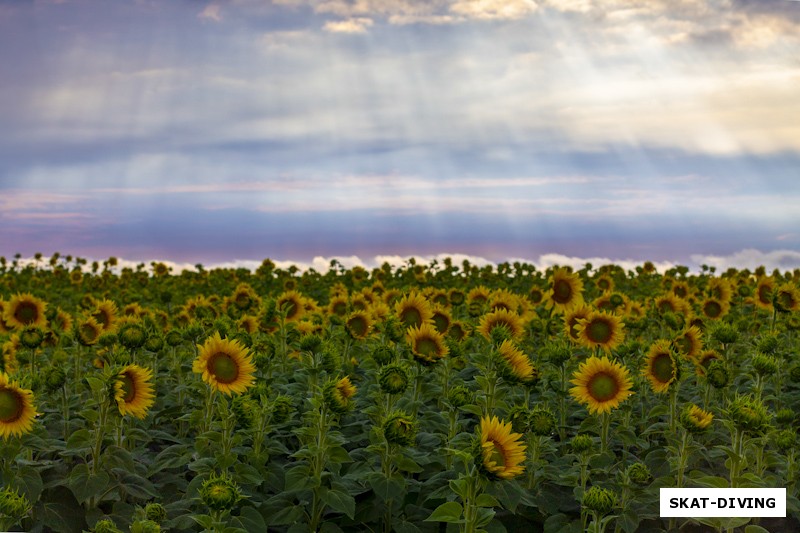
(211, 12)
(751, 259)
(353, 25)
(494, 9)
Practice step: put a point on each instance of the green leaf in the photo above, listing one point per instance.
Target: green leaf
(447, 512)
(712, 481)
(298, 478)
(84, 485)
(386, 489)
(79, 440)
(340, 502)
(755, 529)
(29, 482)
(337, 454)
(459, 486)
(288, 515)
(406, 464)
(250, 520)
(95, 384)
(487, 500)
(135, 485)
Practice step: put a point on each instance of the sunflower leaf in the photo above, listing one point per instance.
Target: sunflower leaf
(447, 512)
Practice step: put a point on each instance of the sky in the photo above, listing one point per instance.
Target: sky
(229, 131)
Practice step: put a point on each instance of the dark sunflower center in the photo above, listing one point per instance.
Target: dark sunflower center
(290, 307)
(562, 291)
(662, 368)
(712, 309)
(128, 388)
(680, 292)
(339, 308)
(786, 299)
(427, 347)
(26, 312)
(599, 331)
(242, 300)
(441, 322)
(684, 344)
(666, 307)
(11, 405)
(223, 367)
(89, 332)
(358, 326)
(536, 296)
(411, 317)
(102, 317)
(764, 294)
(603, 387)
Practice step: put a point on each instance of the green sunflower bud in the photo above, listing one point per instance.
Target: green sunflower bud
(785, 440)
(557, 353)
(282, 408)
(107, 340)
(53, 378)
(245, 409)
(31, 337)
(310, 343)
(785, 417)
(499, 334)
(400, 429)
(383, 355)
(768, 344)
(695, 420)
(459, 396)
(542, 421)
(764, 365)
(155, 512)
(519, 416)
(154, 343)
(582, 443)
(639, 473)
(717, 374)
(105, 526)
(599, 500)
(393, 378)
(132, 336)
(338, 395)
(145, 526)
(220, 493)
(13, 505)
(173, 338)
(725, 333)
(749, 414)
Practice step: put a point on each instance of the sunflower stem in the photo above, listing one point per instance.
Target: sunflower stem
(562, 403)
(605, 423)
(99, 431)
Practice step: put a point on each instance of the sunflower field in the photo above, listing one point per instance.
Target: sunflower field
(433, 397)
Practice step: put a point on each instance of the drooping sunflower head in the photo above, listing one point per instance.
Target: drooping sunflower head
(514, 326)
(695, 420)
(244, 297)
(88, 331)
(749, 414)
(601, 384)
(25, 310)
(478, 300)
(669, 303)
(604, 283)
(572, 317)
(441, 319)
(427, 344)
(225, 365)
(690, 342)
(566, 290)
(133, 391)
(503, 299)
(17, 411)
(720, 288)
(338, 394)
(400, 429)
(680, 289)
(703, 360)
(105, 313)
(661, 366)
(765, 287)
(601, 330)
(413, 310)
(786, 298)
(502, 453)
(516, 365)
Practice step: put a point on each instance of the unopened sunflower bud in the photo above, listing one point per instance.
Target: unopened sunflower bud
(764, 365)
(768, 344)
(599, 500)
(282, 408)
(31, 337)
(785, 417)
(639, 473)
(244, 409)
(132, 336)
(400, 428)
(695, 420)
(173, 337)
(155, 512)
(310, 343)
(519, 416)
(154, 343)
(459, 396)
(393, 379)
(13, 504)
(785, 440)
(717, 374)
(383, 355)
(220, 493)
(145, 526)
(105, 526)
(749, 414)
(724, 333)
(542, 421)
(582, 443)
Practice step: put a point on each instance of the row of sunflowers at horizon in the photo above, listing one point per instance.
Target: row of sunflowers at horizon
(491, 339)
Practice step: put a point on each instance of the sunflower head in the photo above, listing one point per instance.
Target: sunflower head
(88, 331)
(566, 290)
(393, 378)
(765, 365)
(714, 308)
(502, 454)
(689, 342)
(459, 396)
(413, 311)
(291, 304)
(541, 421)
(427, 344)
(132, 335)
(105, 313)
(695, 419)
(749, 414)
(225, 365)
(600, 330)
(31, 337)
(515, 365)
(601, 384)
(16, 408)
(24, 310)
(661, 367)
(786, 298)
(599, 500)
(133, 391)
(639, 473)
(500, 325)
(220, 492)
(582, 443)
(763, 293)
(400, 429)
(14, 505)
(359, 324)
(338, 395)
(717, 374)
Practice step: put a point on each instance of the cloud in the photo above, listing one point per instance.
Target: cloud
(494, 9)
(353, 25)
(211, 12)
(751, 259)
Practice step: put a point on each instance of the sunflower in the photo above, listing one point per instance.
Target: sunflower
(106, 314)
(133, 391)
(338, 394)
(413, 310)
(680, 289)
(786, 298)
(248, 323)
(604, 283)
(517, 363)
(477, 299)
(660, 366)
(714, 308)
(689, 342)
(458, 330)
(359, 324)
(293, 304)
(337, 306)
(703, 360)
(16, 408)
(565, 290)
(134, 309)
(571, 319)
(244, 297)
(76, 276)
(764, 289)
(503, 299)
(88, 331)
(720, 289)
(601, 384)
(634, 310)
(502, 318)
(456, 296)
(8, 357)
(427, 344)
(600, 330)
(502, 452)
(24, 310)
(62, 321)
(536, 295)
(696, 420)
(225, 365)
(441, 319)
(669, 303)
